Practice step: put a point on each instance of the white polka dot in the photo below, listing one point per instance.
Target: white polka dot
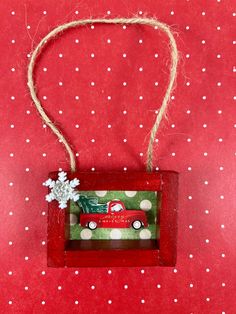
(73, 219)
(145, 205)
(100, 193)
(115, 234)
(145, 234)
(86, 234)
(130, 193)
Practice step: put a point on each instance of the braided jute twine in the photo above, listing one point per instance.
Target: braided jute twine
(161, 113)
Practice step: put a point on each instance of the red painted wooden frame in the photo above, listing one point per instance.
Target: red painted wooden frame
(63, 252)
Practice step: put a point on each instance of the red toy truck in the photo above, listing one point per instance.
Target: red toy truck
(116, 217)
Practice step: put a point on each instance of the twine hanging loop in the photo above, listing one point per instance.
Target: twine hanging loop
(143, 21)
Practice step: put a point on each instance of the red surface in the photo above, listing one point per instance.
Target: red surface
(63, 252)
(197, 141)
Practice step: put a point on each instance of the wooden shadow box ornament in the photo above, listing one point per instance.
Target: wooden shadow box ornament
(143, 252)
(105, 219)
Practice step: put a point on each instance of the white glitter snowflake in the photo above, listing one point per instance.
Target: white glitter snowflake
(62, 190)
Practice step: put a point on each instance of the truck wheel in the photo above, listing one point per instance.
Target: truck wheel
(92, 225)
(136, 224)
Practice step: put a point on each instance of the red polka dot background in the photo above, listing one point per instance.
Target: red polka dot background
(103, 86)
